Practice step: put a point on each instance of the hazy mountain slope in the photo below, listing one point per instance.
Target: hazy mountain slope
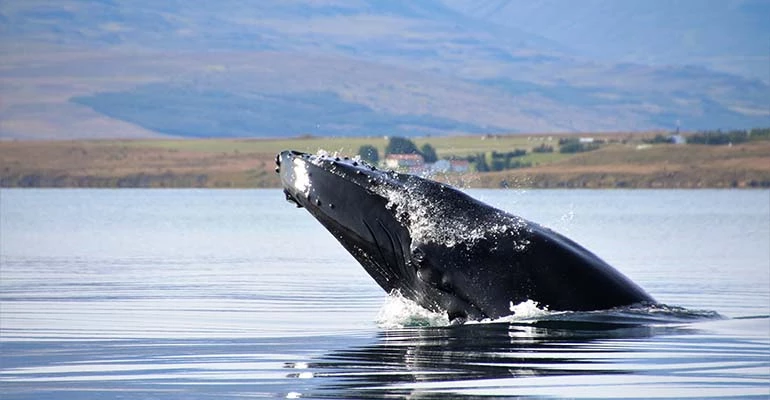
(76, 68)
(729, 35)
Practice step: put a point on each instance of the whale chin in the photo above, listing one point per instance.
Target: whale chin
(443, 249)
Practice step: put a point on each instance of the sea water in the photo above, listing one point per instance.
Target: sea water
(193, 294)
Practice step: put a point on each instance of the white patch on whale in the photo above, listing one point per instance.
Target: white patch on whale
(301, 177)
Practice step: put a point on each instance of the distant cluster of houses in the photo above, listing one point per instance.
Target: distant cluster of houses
(415, 164)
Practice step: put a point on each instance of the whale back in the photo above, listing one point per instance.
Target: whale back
(538, 264)
(493, 259)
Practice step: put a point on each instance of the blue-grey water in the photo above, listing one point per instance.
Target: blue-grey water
(211, 294)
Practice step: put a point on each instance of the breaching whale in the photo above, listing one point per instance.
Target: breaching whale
(445, 250)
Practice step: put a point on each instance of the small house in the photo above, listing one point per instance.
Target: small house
(408, 162)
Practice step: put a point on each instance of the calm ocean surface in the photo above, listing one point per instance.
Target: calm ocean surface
(211, 294)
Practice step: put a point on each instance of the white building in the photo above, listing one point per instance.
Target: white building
(413, 163)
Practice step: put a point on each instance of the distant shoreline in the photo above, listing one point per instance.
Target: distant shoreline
(624, 162)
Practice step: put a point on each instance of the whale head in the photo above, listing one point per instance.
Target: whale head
(366, 210)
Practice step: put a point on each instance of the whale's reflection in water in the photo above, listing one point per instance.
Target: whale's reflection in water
(543, 358)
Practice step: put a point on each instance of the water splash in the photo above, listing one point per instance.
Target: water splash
(400, 312)
(528, 310)
(432, 219)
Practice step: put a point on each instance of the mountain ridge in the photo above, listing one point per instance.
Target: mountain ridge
(335, 68)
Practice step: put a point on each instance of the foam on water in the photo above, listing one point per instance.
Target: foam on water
(528, 310)
(400, 312)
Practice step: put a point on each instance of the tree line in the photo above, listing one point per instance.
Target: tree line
(735, 136)
(498, 161)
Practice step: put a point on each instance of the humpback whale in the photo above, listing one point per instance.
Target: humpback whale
(445, 250)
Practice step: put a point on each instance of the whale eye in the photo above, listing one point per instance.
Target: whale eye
(446, 283)
(426, 275)
(425, 270)
(435, 278)
(428, 271)
(418, 255)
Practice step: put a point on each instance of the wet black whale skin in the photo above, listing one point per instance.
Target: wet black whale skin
(475, 279)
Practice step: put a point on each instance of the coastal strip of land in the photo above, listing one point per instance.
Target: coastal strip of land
(622, 160)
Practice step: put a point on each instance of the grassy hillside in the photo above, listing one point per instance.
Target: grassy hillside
(624, 162)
